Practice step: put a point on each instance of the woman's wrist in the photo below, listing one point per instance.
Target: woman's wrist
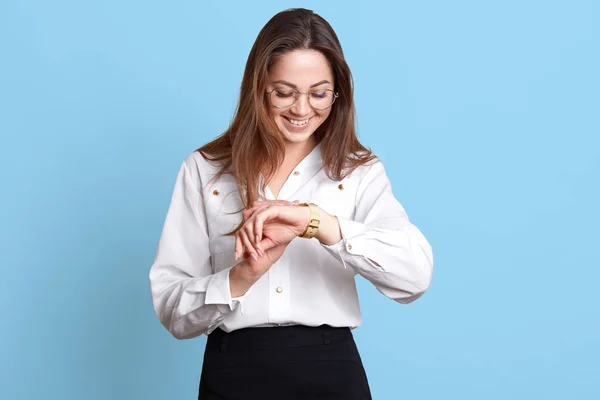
(329, 232)
(312, 226)
(240, 281)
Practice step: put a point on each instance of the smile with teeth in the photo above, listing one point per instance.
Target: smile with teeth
(298, 122)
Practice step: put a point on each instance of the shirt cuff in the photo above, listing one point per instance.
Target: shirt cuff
(218, 292)
(351, 246)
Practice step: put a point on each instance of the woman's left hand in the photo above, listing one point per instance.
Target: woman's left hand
(243, 243)
(290, 216)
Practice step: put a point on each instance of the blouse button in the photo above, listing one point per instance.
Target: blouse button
(279, 289)
(349, 247)
(296, 173)
(216, 192)
(341, 187)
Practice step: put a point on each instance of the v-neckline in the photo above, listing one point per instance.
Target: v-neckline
(271, 195)
(306, 160)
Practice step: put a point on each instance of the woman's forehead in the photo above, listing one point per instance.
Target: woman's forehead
(301, 68)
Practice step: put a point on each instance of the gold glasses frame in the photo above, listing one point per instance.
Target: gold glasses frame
(297, 94)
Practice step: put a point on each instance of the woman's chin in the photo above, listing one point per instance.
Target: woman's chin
(296, 136)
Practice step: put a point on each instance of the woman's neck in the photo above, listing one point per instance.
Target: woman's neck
(296, 152)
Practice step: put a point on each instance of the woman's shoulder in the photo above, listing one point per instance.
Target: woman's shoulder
(197, 162)
(201, 171)
(358, 169)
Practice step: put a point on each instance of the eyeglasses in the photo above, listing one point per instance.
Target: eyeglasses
(319, 99)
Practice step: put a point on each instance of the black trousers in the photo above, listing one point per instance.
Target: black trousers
(283, 363)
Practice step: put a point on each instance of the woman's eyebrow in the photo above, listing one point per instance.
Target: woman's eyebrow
(296, 87)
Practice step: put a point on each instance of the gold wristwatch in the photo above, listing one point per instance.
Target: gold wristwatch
(313, 223)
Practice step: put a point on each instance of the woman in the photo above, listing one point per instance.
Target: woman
(273, 286)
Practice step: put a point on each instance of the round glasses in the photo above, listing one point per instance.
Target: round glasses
(319, 99)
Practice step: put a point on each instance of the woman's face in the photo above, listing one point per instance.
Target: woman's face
(303, 71)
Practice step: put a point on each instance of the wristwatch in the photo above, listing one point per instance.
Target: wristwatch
(313, 223)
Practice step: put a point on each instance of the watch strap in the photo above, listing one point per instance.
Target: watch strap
(314, 220)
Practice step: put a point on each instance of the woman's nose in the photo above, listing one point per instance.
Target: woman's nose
(302, 105)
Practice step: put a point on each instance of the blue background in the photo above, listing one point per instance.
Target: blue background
(486, 115)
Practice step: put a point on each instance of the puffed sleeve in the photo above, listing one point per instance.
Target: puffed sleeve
(188, 298)
(381, 244)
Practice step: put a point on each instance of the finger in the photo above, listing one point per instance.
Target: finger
(258, 203)
(239, 248)
(258, 226)
(249, 231)
(245, 248)
(267, 244)
(247, 245)
(247, 214)
(261, 217)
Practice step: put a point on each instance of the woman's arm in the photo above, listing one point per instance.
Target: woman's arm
(380, 243)
(188, 298)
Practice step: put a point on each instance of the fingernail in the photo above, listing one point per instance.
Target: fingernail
(260, 253)
(257, 239)
(254, 257)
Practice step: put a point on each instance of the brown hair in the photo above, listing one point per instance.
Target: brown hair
(252, 143)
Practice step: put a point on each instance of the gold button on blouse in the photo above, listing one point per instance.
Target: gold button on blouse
(296, 173)
(216, 192)
(341, 187)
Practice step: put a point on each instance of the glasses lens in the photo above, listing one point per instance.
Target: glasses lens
(321, 99)
(283, 98)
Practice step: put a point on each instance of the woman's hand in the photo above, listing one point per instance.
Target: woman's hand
(276, 239)
(271, 225)
(244, 244)
(288, 220)
(244, 274)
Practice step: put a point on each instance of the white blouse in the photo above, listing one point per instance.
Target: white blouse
(311, 284)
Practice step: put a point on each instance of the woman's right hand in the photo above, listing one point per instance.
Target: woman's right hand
(276, 239)
(244, 274)
(248, 247)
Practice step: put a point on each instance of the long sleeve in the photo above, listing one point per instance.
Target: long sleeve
(187, 297)
(381, 244)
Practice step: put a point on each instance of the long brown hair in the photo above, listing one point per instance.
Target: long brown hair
(252, 144)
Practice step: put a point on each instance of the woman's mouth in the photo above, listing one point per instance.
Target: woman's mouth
(296, 124)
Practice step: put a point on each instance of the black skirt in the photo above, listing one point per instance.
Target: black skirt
(283, 363)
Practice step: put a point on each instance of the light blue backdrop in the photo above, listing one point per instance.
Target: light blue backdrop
(486, 115)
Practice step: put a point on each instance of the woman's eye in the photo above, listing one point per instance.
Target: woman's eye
(283, 94)
(318, 95)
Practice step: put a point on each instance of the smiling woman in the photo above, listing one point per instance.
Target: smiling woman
(298, 117)
(270, 222)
